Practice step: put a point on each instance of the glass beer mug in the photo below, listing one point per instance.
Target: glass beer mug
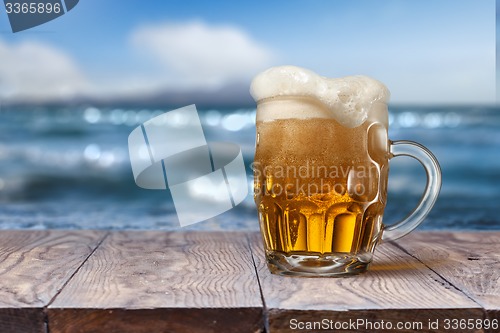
(320, 186)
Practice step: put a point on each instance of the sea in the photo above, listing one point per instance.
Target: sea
(68, 168)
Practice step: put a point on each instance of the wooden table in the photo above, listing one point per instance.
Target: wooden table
(99, 281)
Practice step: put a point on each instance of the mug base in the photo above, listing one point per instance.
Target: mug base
(318, 265)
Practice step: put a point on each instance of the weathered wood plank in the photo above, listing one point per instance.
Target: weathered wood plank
(215, 320)
(34, 266)
(159, 282)
(397, 288)
(22, 320)
(189, 282)
(468, 260)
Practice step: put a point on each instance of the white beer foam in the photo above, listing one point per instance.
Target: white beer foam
(348, 99)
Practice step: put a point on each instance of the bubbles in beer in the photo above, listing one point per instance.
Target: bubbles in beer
(321, 167)
(323, 185)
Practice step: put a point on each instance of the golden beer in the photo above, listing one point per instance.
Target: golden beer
(320, 189)
(321, 168)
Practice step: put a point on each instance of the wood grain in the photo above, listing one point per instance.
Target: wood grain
(22, 320)
(68, 281)
(397, 287)
(34, 266)
(470, 261)
(163, 282)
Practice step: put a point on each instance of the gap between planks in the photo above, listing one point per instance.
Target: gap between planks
(448, 280)
(265, 312)
(73, 275)
(190, 281)
(34, 266)
(45, 308)
(253, 241)
(281, 308)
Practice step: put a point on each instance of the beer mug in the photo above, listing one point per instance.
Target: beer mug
(320, 186)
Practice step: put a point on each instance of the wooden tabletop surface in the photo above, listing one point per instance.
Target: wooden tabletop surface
(153, 281)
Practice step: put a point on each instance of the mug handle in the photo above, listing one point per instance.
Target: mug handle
(433, 171)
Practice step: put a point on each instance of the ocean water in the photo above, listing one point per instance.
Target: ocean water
(68, 168)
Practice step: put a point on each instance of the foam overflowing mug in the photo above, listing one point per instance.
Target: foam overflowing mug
(321, 169)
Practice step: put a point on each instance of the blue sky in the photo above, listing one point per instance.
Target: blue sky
(425, 51)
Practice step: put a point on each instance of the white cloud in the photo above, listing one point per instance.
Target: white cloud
(35, 71)
(186, 56)
(198, 54)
